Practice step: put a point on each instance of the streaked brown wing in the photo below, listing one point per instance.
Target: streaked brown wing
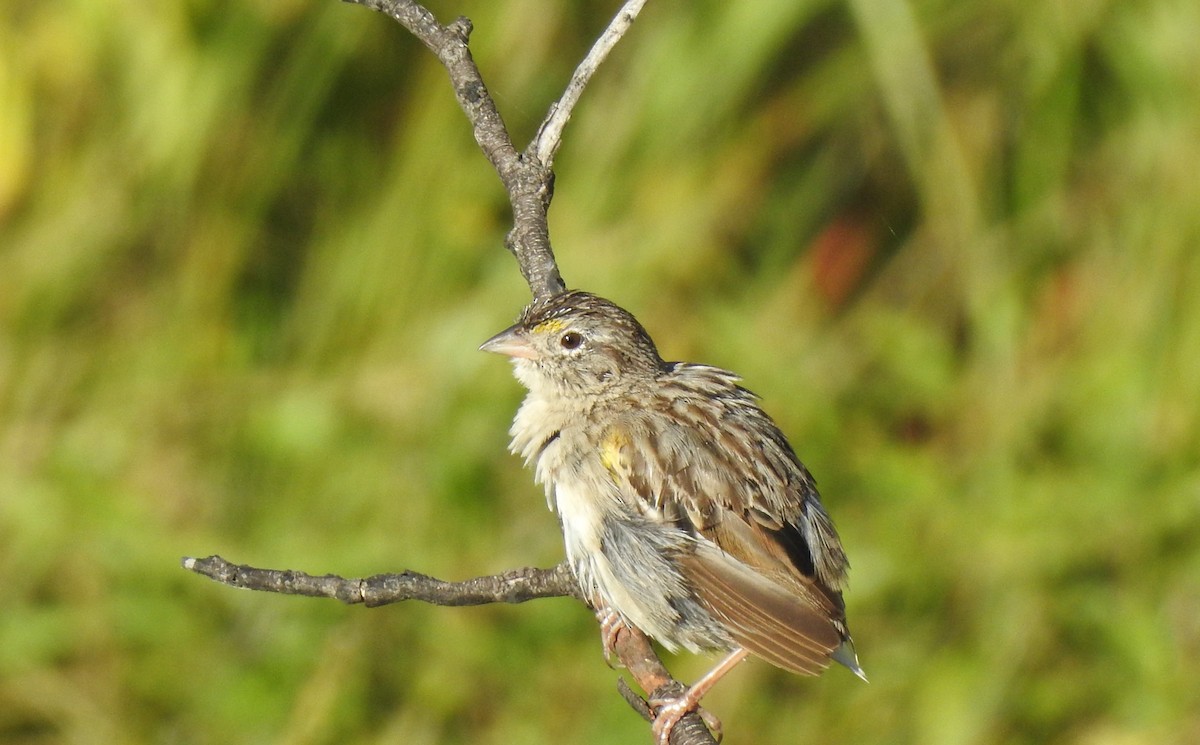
(768, 561)
(762, 616)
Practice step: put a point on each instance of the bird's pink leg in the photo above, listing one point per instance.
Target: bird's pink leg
(672, 710)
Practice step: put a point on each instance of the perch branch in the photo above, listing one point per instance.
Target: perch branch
(516, 586)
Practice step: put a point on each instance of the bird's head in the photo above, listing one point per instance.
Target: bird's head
(577, 343)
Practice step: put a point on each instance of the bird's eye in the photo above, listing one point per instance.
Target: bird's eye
(571, 340)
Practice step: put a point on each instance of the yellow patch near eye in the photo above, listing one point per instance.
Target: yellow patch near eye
(610, 451)
(550, 326)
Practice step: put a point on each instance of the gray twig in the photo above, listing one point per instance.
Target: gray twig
(516, 586)
(549, 135)
(527, 180)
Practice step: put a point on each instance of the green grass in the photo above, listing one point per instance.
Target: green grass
(247, 252)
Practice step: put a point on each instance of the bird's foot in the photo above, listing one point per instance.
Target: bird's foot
(669, 711)
(611, 624)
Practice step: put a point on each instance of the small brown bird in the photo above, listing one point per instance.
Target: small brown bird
(685, 512)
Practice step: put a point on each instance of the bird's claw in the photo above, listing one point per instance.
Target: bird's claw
(669, 712)
(611, 624)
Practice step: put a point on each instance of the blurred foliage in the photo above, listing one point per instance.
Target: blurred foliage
(247, 251)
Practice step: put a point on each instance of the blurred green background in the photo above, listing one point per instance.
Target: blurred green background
(247, 252)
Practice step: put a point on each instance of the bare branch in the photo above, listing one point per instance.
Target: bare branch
(549, 135)
(449, 45)
(635, 652)
(516, 586)
(527, 181)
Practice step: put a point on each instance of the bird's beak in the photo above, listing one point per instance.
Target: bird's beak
(510, 342)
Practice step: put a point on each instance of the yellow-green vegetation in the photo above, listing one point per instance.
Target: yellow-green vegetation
(247, 251)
